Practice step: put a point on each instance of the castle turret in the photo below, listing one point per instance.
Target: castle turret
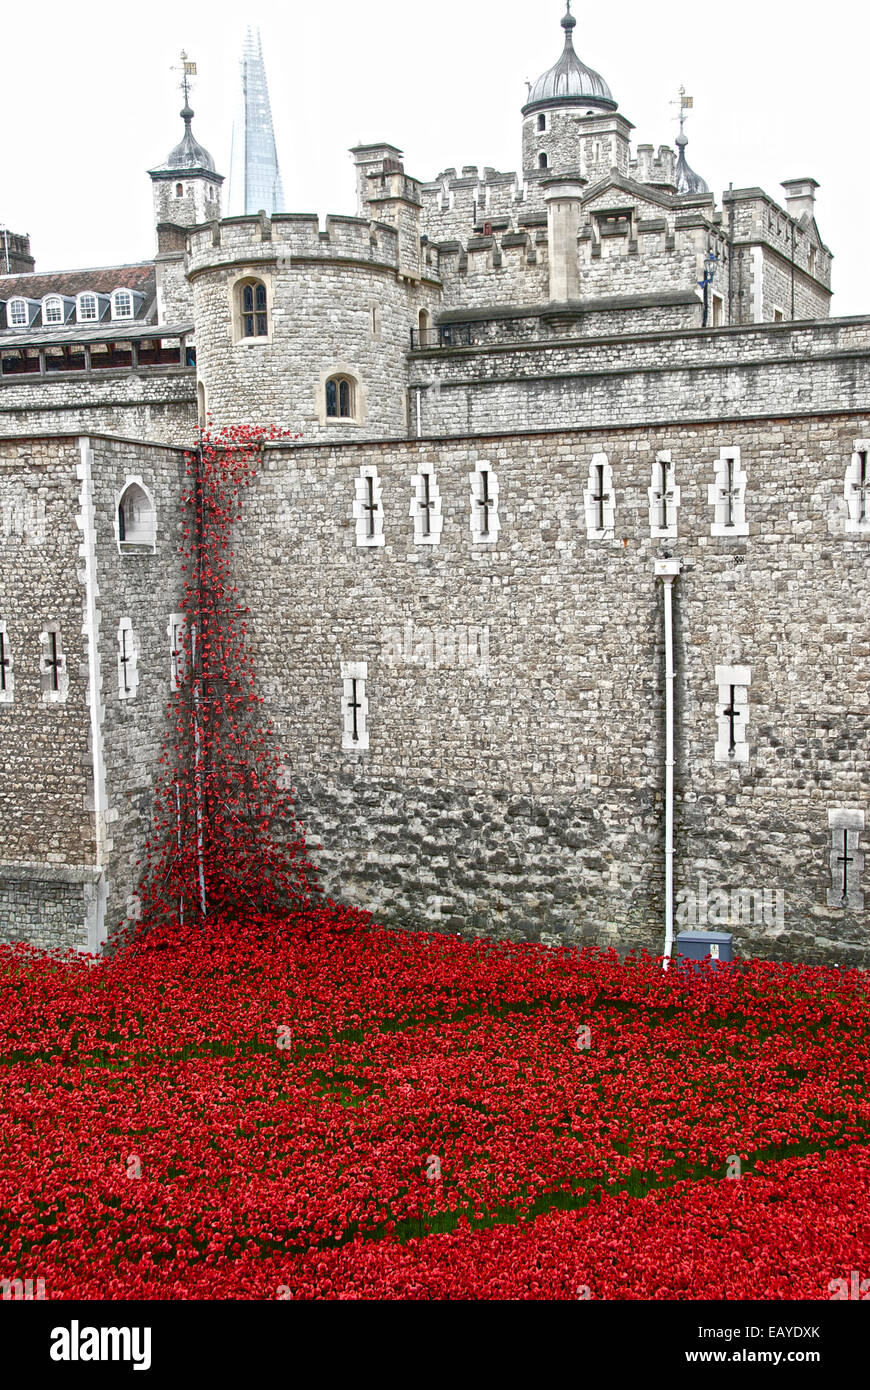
(187, 193)
(570, 119)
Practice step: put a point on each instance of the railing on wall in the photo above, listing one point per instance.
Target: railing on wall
(94, 356)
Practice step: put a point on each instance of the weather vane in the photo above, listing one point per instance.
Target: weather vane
(187, 70)
(685, 104)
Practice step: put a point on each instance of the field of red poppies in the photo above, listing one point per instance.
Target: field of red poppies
(320, 1108)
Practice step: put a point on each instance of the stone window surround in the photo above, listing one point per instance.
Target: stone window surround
(354, 671)
(436, 519)
(7, 695)
(132, 652)
(849, 822)
(129, 547)
(657, 531)
(718, 527)
(740, 677)
(478, 535)
(360, 514)
(855, 527)
(176, 631)
(250, 275)
(359, 401)
(590, 506)
(50, 696)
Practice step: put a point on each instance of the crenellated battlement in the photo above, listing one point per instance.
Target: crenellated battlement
(298, 236)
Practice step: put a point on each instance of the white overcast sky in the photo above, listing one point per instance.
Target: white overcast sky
(90, 103)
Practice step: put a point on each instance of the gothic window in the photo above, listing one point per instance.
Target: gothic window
(87, 308)
(128, 661)
(732, 714)
(17, 313)
(137, 518)
(664, 498)
(340, 398)
(122, 304)
(53, 677)
(846, 859)
(599, 500)
(542, 160)
(52, 309)
(727, 496)
(254, 309)
(485, 523)
(856, 490)
(354, 706)
(368, 508)
(426, 507)
(7, 679)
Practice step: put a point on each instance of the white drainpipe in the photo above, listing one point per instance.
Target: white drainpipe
(667, 571)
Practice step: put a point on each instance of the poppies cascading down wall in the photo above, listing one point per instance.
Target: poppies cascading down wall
(225, 839)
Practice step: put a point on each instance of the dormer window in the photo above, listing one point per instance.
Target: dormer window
(88, 311)
(18, 313)
(52, 309)
(122, 304)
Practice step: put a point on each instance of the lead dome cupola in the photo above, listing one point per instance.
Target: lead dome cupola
(189, 153)
(569, 82)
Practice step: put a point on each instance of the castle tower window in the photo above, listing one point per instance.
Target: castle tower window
(52, 309)
(368, 509)
(542, 161)
(179, 190)
(424, 325)
(122, 304)
(732, 713)
(426, 507)
(128, 661)
(485, 523)
(846, 859)
(599, 500)
(177, 633)
(727, 496)
(137, 518)
(856, 490)
(340, 402)
(354, 706)
(7, 679)
(53, 676)
(542, 122)
(254, 309)
(664, 498)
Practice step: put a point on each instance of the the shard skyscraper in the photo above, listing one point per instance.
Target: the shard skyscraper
(255, 179)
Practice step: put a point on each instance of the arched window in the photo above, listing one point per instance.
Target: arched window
(137, 520)
(542, 121)
(542, 161)
(18, 313)
(122, 304)
(340, 398)
(179, 190)
(52, 309)
(424, 324)
(88, 310)
(253, 305)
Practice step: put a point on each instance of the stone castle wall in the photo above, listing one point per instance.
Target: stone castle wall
(513, 782)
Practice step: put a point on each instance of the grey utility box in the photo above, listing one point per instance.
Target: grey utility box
(697, 946)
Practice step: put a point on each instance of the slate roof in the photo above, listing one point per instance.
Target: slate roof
(100, 280)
